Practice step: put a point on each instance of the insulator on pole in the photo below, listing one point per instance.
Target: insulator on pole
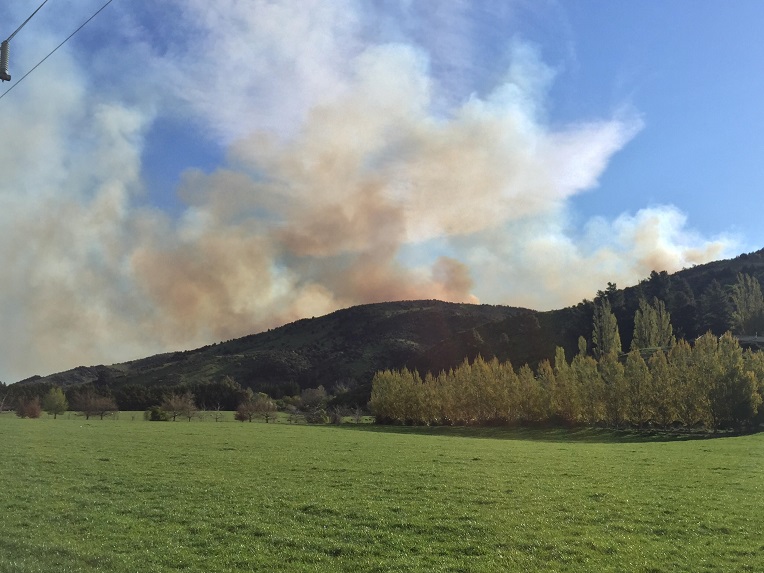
(4, 75)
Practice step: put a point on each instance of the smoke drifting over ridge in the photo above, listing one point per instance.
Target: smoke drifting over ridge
(346, 181)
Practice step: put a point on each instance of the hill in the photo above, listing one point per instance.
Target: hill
(345, 348)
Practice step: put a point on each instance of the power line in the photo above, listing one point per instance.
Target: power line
(25, 22)
(54, 49)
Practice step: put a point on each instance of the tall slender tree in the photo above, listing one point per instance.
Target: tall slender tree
(639, 388)
(688, 400)
(662, 398)
(605, 336)
(531, 404)
(652, 326)
(589, 386)
(566, 404)
(616, 390)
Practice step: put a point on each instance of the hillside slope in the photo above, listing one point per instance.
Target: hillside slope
(348, 346)
(345, 347)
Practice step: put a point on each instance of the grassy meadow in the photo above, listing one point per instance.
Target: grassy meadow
(127, 495)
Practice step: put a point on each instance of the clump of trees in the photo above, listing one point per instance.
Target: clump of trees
(660, 382)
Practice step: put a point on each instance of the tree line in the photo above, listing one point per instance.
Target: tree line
(172, 403)
(660, 382)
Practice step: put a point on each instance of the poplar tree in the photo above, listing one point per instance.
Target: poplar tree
(652, 326)
(547, 389)
(733, 394)
(616, 392)
(605, 336)
(704, 371)
(484, 383)
(510, 395)
(496, 393)
(430, 403)
(754, 362)
(639, 388)
(663, 394)
(447, 397)
(530, 405)
(565, 403)
(687, 399)
(589, 385)
(384, 388)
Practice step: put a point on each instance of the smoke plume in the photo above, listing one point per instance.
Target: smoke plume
(354, 172)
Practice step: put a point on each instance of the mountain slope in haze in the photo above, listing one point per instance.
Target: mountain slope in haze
(348, 346)
(345, 347)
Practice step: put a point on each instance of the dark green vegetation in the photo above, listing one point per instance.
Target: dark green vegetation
(125, 496)
(346, 348)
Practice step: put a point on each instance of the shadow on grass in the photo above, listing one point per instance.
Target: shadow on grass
(590, 435)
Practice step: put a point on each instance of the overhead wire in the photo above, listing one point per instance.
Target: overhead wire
(25, 21)
(69, 37)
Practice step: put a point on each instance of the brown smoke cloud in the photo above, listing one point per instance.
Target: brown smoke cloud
(321, 218)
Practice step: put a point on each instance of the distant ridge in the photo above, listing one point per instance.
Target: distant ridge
(348, 346)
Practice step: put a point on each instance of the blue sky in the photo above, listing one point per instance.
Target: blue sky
(183, 172)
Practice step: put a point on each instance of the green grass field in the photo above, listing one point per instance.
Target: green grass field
(127, 495)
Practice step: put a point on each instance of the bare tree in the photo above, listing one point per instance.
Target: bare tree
(180, 405)
(336, 415)
(265, 407)
(28, 408)
(292, 412)
(259, 405)
(105, 406)
(92, 404)
(246, 411)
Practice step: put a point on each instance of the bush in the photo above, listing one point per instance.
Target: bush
(335, 416)
(244, 413)
(317, 417)
(156, 414)
(29, 408)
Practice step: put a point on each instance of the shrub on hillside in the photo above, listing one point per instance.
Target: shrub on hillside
(318, 416)
(245, 412)
(156, 414)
